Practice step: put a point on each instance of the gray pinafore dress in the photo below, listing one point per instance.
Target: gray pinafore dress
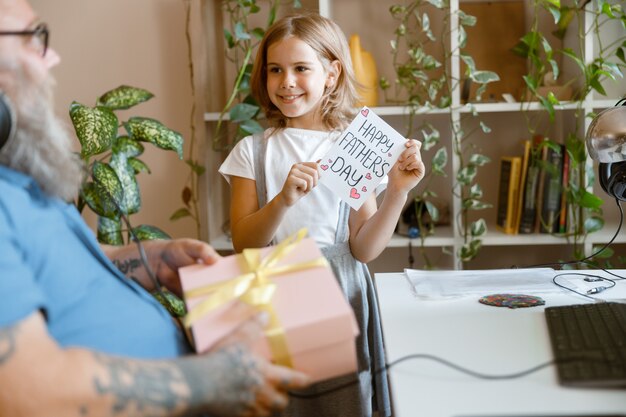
(369, 394)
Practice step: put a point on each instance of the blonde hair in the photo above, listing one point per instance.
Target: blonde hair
(328, 40)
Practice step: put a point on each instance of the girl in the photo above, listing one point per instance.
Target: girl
(303, 79)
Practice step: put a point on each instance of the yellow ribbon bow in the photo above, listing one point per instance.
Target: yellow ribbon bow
(255, 288)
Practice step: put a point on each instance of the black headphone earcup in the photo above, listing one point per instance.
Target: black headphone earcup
(612, 178)
(7, 120)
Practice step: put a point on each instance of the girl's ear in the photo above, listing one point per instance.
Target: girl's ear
(334, 69)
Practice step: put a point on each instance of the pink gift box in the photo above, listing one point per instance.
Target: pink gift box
(319, 324)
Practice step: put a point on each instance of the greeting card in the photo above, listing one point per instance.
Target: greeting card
(360, 158)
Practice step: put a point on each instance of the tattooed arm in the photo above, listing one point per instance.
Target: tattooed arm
(164, 257)
(77, 382)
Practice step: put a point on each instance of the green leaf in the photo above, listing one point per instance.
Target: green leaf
(243, 111)
(439, 161)
(174, 305)
(230, 41)
(240, 32)
(180, 213)
(95, 128)
(476, 191)
(469, 62)
(110, 231)
(195, 167)
(147, 232)
(437, 3)
(126, 146)
(606, 253)
(258, 33)
(124, 97)
(484, 77)
(484, 127)
(92, 198)
(250, 127)
(478, 228)
(568, 52)
(479, 160)
(432, 210)
(430, 139)
(466, 19)
(131, 201)
(150, 130)
(466, 174)
(109, 188)
(462, 37)
(138, 165)
(593, 224)
(590, 201)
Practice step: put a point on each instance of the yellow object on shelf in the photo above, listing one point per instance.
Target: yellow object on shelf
(365, 72)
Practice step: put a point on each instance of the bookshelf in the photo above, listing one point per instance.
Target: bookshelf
(508, 123)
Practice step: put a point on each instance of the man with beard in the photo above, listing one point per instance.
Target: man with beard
(77, 337)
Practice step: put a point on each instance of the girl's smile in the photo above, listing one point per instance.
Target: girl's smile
(296, 81)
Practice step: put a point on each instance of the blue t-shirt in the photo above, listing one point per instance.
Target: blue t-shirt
(50, 261)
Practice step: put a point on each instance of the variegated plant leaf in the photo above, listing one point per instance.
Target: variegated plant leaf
(139, 165)
(124, 97)
(108, 186)
(95, 128)
(153, 131)
(147, 232)
(110, 231)
(98, 202)
(127, 146)
(131, 197)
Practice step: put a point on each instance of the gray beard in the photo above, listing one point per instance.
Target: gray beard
(41, 146)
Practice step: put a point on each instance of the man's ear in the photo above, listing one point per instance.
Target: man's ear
(334, 69)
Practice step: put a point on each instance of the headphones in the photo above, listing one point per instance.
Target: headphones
(7, 119)
(611, 175)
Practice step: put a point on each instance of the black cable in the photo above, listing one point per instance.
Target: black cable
(475, 374)
(587, 262)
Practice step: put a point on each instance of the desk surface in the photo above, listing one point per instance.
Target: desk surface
(482, 338)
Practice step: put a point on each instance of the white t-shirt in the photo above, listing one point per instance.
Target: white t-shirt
(318, 210)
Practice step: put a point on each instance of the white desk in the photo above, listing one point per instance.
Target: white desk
(483, 338)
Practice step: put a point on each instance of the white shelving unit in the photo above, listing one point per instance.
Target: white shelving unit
(508, 129)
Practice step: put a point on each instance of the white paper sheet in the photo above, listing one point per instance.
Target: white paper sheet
(448, 284)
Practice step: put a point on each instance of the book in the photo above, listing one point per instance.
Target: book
(541, 184)
(508, 193)
(564, 187)
(551, 202)
(528, 213)
(522, 184)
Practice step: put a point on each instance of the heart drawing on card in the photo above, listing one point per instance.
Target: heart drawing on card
(324, 167)
(364, 189)
(368, 176)
(354, 193)
(365, 112)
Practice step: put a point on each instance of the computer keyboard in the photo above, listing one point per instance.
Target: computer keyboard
(589, 343)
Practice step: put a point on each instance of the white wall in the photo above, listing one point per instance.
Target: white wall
(107, 43)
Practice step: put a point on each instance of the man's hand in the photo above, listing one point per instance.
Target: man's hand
(248, 384)
(166, 256)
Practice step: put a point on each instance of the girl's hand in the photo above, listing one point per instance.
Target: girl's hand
(301, 180)
(409, 170)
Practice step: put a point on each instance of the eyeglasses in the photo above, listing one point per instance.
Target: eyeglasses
(40, 34)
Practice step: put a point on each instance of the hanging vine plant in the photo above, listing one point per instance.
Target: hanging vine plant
(607, 63)
(425, 83)
(241, 40)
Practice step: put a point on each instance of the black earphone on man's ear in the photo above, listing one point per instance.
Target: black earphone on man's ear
(612, 178)
(7, 120)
